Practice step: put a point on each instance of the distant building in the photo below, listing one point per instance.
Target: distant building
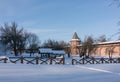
(73, 43)
(101, 49)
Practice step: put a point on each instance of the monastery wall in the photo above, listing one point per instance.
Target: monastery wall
(101, 49)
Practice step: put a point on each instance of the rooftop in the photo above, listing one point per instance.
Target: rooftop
(49, 50)
(110, 42)
(75, 37)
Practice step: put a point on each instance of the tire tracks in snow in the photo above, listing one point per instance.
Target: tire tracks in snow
(97, 69)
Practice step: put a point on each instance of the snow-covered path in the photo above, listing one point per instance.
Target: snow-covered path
(59, 73)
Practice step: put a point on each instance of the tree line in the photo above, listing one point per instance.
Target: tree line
(17, 39)
(89, 44)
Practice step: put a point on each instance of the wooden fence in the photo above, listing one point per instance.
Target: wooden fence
(34, 60)
(59, 60)
(95, 60)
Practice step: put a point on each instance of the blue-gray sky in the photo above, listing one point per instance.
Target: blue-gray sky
(59, 19)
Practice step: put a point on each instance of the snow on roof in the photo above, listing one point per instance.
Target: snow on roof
(110, 42)
(2, 57)
(45, 50)
(49, 50)
(102, 43)
(58, 52)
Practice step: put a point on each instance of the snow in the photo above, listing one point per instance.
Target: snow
(2, 57)
(45, 50)
(110, 42)
(49, 50)
(59, 73)
(58, 52)
(10, 72)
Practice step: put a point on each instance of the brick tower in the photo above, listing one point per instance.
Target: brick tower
(74, 43)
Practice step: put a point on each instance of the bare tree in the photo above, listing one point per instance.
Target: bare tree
(16, 38)
(11, 35)
(110, 50)
(68, 50)
(33, 43)
(48, 43)
(115, 2)
(56, 45)
(87, 46)
(23, 41)
(102, 38)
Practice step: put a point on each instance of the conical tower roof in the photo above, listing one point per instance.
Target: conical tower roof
(75, 37)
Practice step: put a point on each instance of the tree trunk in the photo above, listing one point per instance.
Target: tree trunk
(15, 50)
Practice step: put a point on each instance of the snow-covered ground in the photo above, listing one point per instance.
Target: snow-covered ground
(10, 72)
(59, 73)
